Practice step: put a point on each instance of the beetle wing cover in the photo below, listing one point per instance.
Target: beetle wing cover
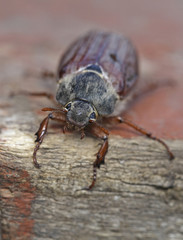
(113, 52)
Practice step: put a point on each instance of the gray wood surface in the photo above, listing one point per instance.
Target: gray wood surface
(138, 194)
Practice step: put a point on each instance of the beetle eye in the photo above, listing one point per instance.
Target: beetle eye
(68, 106)
(93, 116)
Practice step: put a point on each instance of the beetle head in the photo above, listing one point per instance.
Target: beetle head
(80, 113)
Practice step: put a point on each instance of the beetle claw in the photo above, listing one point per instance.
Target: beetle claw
(64, 129)
(82, 133)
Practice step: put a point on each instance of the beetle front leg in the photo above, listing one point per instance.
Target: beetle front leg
(40, 136)
(57, 115)
(102, 133)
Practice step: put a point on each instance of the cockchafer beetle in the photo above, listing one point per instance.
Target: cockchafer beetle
(94, 76)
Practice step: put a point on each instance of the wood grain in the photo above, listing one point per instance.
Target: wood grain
(138, 194)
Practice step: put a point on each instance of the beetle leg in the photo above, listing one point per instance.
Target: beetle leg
(82, 133)
(39, 94)
(57, 115)
(143, 131)
(102, 133)
(47, 74)
(64, 129)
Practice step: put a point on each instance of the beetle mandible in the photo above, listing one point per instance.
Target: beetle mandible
(94, 76)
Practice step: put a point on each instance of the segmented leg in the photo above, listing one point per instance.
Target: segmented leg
(48, 74)
(141, 130)
(102, 133)
(39, 94)
(57, 115)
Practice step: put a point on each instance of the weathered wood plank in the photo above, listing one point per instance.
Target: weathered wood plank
(138, 194)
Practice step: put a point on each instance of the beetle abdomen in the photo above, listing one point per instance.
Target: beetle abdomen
(113, 52)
